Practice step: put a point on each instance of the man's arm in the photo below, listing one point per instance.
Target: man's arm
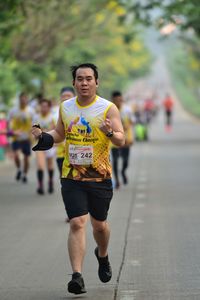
(113, 125)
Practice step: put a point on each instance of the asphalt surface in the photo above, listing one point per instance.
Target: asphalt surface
(155, 240)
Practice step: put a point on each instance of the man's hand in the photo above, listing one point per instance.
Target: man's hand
(106, 126)
(36, 131)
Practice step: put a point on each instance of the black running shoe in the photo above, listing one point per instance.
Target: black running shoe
(40, 191)
(104, 271)
(76, 285)
(18, 175)
(24, 179)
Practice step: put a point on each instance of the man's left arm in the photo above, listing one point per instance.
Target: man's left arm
(112, 127)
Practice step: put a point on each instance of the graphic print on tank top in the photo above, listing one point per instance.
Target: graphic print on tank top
(87, 147)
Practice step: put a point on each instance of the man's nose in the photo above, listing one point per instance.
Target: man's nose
(84, 82)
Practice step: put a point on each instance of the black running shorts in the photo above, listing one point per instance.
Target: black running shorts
(81, 198)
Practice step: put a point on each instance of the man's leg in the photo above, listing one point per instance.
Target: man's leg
(15, 149)
(76, 249)
(50, 166)
(101, 233)
(40, 158)
(125, 158)
(26, 150)
(17, 164)
(115, 158)
(77, 242)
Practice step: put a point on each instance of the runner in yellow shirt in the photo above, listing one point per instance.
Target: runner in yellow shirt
(127, 119)
(45, 158)
(66, 93)
(88, 123)
(20, 120)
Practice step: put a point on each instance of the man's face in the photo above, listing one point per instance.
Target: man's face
(44, 108)
(85, 82)
(23, 100)
(118, 100)
(66, 95)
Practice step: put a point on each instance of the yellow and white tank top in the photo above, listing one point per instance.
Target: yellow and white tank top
(87, 147)
(45, 122)
(21, 120)
(127, 119)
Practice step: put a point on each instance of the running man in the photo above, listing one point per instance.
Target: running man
(127, 119)
(66, 93)
(43, 158)
(19, 126)
(168, 105)
(88, 123)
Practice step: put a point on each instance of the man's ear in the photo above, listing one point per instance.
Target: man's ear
(97, 82)
(73, 82)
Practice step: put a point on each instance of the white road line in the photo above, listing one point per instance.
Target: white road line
(128, 295)
(142, 179)
(138, 221)
(139, 205)
(141, 186)
(135, 263)
(140, 195)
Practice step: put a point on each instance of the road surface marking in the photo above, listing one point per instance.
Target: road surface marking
(141, 186)
(138, 221)
(140, 195)
(135, 263)
(139, 205)
(128, 295)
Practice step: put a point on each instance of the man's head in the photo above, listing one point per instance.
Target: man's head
(85, 79)
(117, 98)
(23, 99)
(45, 106)
(66, 93)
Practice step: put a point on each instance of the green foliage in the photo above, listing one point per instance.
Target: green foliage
(41, 39)
(183, 13)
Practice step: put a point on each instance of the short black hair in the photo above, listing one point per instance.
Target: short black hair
(44, 100)
(85, 65)
(67, 89)
(116, 94)
(22, 94)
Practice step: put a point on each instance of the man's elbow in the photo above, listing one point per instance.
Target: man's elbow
(120, 142)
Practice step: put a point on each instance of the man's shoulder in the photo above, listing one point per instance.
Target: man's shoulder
(104, 101)
(13, 111)
(69, 102)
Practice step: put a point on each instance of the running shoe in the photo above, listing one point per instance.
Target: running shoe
(24, 179)
(104, 271)
(40, 191)
(18, 175)
(76, 285)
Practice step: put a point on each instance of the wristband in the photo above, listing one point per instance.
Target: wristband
(45, 142)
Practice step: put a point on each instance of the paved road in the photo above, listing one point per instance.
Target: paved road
(155, 224)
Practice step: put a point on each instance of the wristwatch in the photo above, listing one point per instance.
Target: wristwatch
(109, 133)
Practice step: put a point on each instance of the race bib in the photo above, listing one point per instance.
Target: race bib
(80, 155)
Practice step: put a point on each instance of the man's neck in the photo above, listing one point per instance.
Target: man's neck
(85, 100)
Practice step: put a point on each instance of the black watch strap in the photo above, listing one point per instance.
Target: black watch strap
(109, 133)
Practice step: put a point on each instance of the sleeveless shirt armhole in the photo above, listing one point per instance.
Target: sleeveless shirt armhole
(106, 110)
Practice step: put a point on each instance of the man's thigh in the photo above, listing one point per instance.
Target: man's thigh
(74, 197)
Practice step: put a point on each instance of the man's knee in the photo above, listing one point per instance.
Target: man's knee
(78, 223)
(99, 226)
